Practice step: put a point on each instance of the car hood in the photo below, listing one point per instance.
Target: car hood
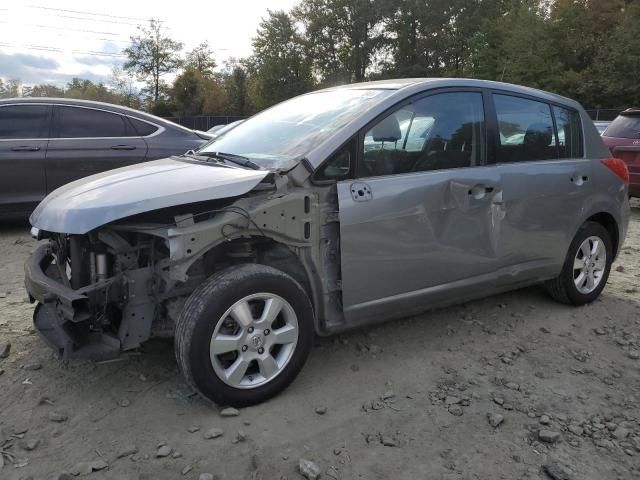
(88, 203)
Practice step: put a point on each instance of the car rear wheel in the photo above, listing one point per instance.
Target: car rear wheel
(586, 268)
(244, 335)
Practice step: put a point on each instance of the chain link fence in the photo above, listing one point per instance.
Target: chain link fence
(604, 114)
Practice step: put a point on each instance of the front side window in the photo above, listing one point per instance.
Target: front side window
(569, 132)
(525, 130)
(75, 122)
(24, 121)
(437, 132)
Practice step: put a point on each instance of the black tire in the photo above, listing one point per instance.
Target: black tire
(563, 288)
(205, 308)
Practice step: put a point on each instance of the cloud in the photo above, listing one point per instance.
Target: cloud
(94, 60)
(37, 69)
(24, 66)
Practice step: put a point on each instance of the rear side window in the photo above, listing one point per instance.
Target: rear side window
(143, 128)
(75, 122)
(569, 133)
(24, 121)
(525, 130)
(624, 126)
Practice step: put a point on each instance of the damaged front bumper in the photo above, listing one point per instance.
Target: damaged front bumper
(67, 318)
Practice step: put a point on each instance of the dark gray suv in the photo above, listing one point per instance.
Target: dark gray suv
(48, 142)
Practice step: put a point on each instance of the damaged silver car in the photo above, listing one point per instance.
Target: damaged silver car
(332, 210)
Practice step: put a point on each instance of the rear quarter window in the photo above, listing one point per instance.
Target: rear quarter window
(569, 133)
(624, 126)
(143, 129)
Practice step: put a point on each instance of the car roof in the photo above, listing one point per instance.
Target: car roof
(418, 84)
(94, 104)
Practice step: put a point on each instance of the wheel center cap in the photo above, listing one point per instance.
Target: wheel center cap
(256, 341)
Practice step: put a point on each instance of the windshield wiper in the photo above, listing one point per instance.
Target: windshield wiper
(233, 158)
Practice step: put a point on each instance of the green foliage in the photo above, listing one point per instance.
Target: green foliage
(279, 67)
(341, 37)
(585, 49)
(10, 88)
(201, 60)
(151, 55)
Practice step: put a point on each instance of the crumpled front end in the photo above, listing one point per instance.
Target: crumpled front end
(96, 293)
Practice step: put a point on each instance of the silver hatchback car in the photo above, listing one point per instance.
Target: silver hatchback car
(331, 210)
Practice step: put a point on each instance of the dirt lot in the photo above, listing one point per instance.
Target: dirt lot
(498, 388)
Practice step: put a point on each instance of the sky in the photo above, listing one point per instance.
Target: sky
(52, 42)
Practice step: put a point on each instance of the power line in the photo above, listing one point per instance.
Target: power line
(60, 50)
(97, 20)
(87, 13)
(62, 28)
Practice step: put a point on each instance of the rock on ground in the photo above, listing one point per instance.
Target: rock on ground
(308, 469)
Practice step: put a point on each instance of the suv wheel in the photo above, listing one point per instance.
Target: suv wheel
(244, 335)
(586, 267)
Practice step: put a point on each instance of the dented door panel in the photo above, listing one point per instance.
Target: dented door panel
(544, 205)
(418, 230)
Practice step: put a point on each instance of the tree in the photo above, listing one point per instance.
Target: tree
(235, 85)
(10, 88)
(188, 91)
(201, 59)
(123, 87)
(44, 90)
(279, 67)
(342, 37)
(616, 69)
(151, 55)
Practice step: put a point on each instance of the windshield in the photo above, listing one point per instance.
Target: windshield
(280, 136)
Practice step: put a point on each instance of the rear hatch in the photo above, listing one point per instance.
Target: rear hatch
(623, 139)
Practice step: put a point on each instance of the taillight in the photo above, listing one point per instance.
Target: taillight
(619, 167)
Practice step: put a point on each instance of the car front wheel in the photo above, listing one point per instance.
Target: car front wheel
(586, 268)
(244, 335)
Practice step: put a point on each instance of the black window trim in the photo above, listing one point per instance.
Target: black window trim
(52, 105)
(49, 121)
(494, 120)
(128, 124)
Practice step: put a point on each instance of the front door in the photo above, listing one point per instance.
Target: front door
(85, 141)
(24, 129)
(420, 215)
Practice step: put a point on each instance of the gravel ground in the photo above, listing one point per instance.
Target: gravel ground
(509, 387)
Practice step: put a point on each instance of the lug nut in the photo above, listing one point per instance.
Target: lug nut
(267, 331)
(261, 350)
(244, 348)
(250, 329)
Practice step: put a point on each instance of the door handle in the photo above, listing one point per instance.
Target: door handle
(579, 180)
(479, 191)
(123, 147)
(25, 148)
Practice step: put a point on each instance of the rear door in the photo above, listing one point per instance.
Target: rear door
(546, 183)
(420, 213)
(24, 129)
(86, 140)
